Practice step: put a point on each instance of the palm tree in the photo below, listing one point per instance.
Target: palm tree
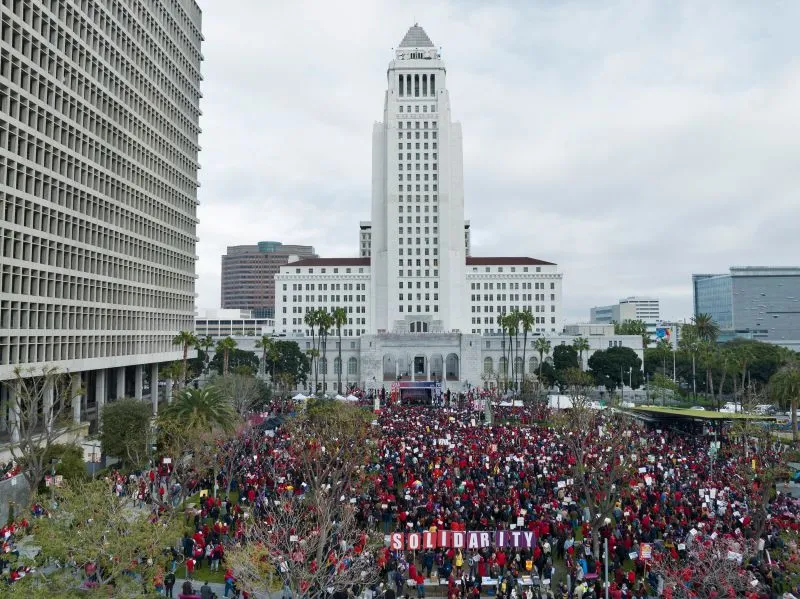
(324, 322)
(511, 327)
(690, 343)
(205, 344)
(501, 320)
(526, 322)
(705, 327)
(785, 387)
(664, 349)
(225, 346)
(581, 344)
(310, 320)
(186, 339)
(265, 345)
(541, 345)
(202, 409)
(339, 320)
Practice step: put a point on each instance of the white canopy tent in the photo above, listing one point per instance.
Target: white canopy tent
(299, 397)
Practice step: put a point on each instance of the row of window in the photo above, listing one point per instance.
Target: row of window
(476, 297)
(102, 134)
(86, 41)
(493, 320)
(31, 282)
(324, 298)
(23, 349)
(306, 309)
(62, 163)
(75, 229)
(324, 287)
(50, 253)
(425, 83)
(416, 108)
(419, 309)
(46, 317)
(148, 110)
(419, 273)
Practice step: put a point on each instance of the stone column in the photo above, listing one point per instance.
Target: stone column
(154, 387)
(47, 407)
(13, 413)
(137, 382)
(76, 396)
(169, 391)
(100, 392)
(427, 368)
(120, 382)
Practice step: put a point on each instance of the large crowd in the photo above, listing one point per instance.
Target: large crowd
(441, 468)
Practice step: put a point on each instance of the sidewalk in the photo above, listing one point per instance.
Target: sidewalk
(216, 587)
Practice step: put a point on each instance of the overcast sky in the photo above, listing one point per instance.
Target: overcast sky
(631, 142)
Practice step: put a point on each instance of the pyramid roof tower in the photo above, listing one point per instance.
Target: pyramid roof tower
(416, 38)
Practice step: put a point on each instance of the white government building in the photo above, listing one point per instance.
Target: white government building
(421, 310)
(99, 110)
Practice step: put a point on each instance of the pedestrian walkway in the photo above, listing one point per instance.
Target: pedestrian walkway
(218, 588)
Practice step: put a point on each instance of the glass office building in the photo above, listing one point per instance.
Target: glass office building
(755, 302)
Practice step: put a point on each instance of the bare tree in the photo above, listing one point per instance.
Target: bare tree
(245, 393)
(312, 541)
(597, 444)
(40, 404)
(708, 567)
(758, 462)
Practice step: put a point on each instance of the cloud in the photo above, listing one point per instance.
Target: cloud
(632, 142)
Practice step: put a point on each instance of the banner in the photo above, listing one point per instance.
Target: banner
(460, 539)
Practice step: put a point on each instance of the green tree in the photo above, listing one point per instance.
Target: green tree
(785, 389)
(547, 374)
(126, 431)
(707, 330)
(512, 328)
(501, 322)
(664, 351)
(311, 319)
(542, 347)
(185, 339)
(203, 347)
(633, 327)
(265, 345)
(339, 320)
(689, 343)
(94, 527)
(224, 347)
(581, 344)
(240, 361)
(663, 387)
(612, 366)
(526, 322)
(565, 357)
(68, 459)
(324, 324)
(201, 410)
(287, 362)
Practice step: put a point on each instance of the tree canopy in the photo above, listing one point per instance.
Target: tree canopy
(612, 366)
(125, 432)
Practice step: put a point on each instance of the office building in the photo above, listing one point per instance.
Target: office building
(99, 110)
(248, 275)
(646, 309)
(753, 302)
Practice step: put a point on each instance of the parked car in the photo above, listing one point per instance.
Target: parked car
(698, 408)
